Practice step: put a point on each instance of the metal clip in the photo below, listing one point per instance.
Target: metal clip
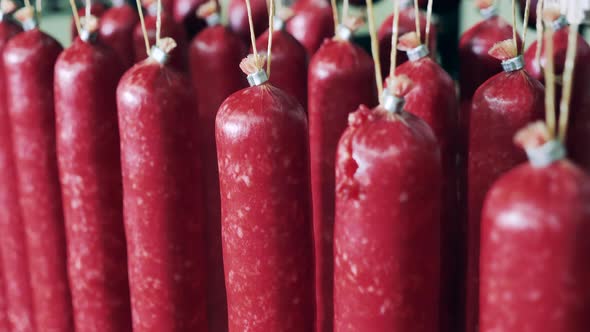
(392, 103)
(213, 19)
(257, 78)
(343, 32)
(29, 24)
(278, 23)
(417, 53)
(88, 36)
(559, 23)
(489, 12)
(159, 55)
(546, 154)
(514, 64)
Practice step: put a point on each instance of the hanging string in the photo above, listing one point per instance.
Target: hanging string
(428, 22)
(271, 16)
(514, 25)
(527, 10)
(540, 27)
(549, 84)
(143, 29)
(76, 16)
(39, 5)
(394, 37)
(252, 36)
(417, 18)
(334, 14)
(158, 21)
(375, 48)
(345, 8)
(27, 3)
(87, 11)
(568, 80)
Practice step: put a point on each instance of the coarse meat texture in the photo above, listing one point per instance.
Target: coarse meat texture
(215, 55)
(162, 199)
(388, 222)
(501, 106)
(289, 64)
(534, 250)
(29, 60)
(262, 141)
(341, 77)
(90, 175)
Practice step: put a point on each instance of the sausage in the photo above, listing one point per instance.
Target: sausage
(215, 55)
(19, 307)
(532, 12)
(29, 58)
(534, 248)
(435, 101)
(407, 23)
(161, 196)
(184, 15)
(179, 56)
(341, 77)
(388, 210)
(580, 120)
(261, 134)
(501, 106)
(3, 306)
(311, 23)
(97, 9)
(116, 31)
(90, 176)
(238, 17)
(289, 57)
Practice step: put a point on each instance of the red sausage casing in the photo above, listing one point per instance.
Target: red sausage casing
(116, 31)
(215, 55)
(19, 307)
(162, 201)
(178, 57)
(407, 23)
(387, 229)
(501, 106)
(289, 59)
(184, 13)
(535, 250)
(238, 17)
(29, 59)
(341, 77)
(90, 175)
(579, 131)
(3, 312)
(311, 23)
(261, 135)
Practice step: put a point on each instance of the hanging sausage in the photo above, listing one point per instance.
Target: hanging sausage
(388, 213)
(262, 144)
(162, 203)
(184, 15)
(29, 60)
(407, 23)
(116, 30)
(215, 55)
(500, 107)
(311, 23)
(90, 175)
(340, 78)
(289, 58)
(238, 17)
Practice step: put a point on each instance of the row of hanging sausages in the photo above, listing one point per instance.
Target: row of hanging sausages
(153, 251)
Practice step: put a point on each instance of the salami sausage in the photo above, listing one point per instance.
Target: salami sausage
(90, 176)
(238, 18)
(580, 120)
(311, 23)
(290, 61)
(435, 101)
(534, 243)
(407, 23)
(501, 106)
(179, 56)
(161, 196)
(387, 229)
(215, 55)
(261, 134)
(185, 15)
(340, 78)
(97, 9)
(116, 31)
(29, 59)
(19, 307)
(3, 313)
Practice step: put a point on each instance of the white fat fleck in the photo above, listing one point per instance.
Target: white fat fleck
(76, 203)
(139, 201)
(245, 179)
(403, 197)
(534, 295)
(239, 232)
(515, 220)
(385, 306)
(353, 269)
(364, 241)
(371, 289)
